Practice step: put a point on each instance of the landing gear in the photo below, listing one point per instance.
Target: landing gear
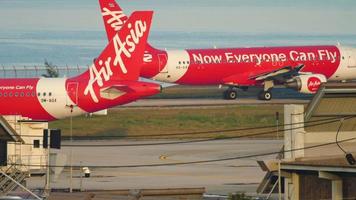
(230, 94)
(265, 95)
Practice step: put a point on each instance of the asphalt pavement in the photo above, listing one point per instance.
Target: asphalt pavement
(221, 177)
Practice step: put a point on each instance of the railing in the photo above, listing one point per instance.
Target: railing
(10, 180)
(11, 177)
(30, 162)
(38, 71)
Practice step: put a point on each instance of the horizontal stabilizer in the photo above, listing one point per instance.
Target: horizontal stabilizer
(115, 91)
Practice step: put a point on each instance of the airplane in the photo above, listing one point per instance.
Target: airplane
(111, 80)
(303, 68)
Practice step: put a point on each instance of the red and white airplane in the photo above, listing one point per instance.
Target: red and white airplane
(302, 68)
(111, 80)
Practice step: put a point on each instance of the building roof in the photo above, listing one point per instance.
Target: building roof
(333, 164)
(333, 99)
(327, 163)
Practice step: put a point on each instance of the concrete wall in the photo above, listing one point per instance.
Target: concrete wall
(315, 138)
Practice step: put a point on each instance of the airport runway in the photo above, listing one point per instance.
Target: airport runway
(208, 102)
(218, 177)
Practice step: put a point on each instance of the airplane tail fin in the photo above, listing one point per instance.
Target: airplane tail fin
(113, 16)
(124, 53)
(122, 58)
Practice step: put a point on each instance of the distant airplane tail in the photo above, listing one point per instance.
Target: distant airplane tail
(113, 16)
(122, 58)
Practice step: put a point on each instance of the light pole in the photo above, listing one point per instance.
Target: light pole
(277, 124)
(71, 150)
(47, 186)
(279, 180)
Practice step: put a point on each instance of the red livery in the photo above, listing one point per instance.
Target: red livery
(302, 68)
(111, 80)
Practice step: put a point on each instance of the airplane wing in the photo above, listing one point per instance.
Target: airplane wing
(115, 91)
(280, 74)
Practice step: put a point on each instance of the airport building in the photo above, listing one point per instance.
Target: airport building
(21, 149)
(317, 163)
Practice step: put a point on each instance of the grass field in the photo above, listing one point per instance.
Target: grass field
(166, 121)
(173, 120)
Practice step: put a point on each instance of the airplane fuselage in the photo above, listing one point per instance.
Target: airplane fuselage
(236, 66)
(56, 98)
(303, 68)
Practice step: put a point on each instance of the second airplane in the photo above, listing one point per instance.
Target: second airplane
(303, 68)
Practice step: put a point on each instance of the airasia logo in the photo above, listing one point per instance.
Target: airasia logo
(313, 84)
(117, 18)
(103, 72)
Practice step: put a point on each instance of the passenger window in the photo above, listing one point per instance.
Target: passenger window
(44, 94)
(10, 94)
(179, 62)
(16, 94)
(50, 94)
(187, 62)
(0, 94)
(34, 94)
(22, 94)
(39, 94)
(5, 94)
(28, 94)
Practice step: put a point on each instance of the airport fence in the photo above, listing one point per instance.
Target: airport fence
(38, 71)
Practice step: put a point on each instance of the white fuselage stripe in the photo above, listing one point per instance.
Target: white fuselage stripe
(54, 98)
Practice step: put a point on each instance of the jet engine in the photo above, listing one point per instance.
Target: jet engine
(306, 83)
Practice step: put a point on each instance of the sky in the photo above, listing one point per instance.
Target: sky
(325, 17)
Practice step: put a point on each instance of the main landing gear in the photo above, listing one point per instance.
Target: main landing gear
(230, 93)
(266, 93)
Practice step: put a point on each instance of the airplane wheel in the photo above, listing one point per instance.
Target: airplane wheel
(265, 95)
(230, 94)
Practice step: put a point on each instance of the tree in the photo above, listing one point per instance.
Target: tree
(52, 70)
